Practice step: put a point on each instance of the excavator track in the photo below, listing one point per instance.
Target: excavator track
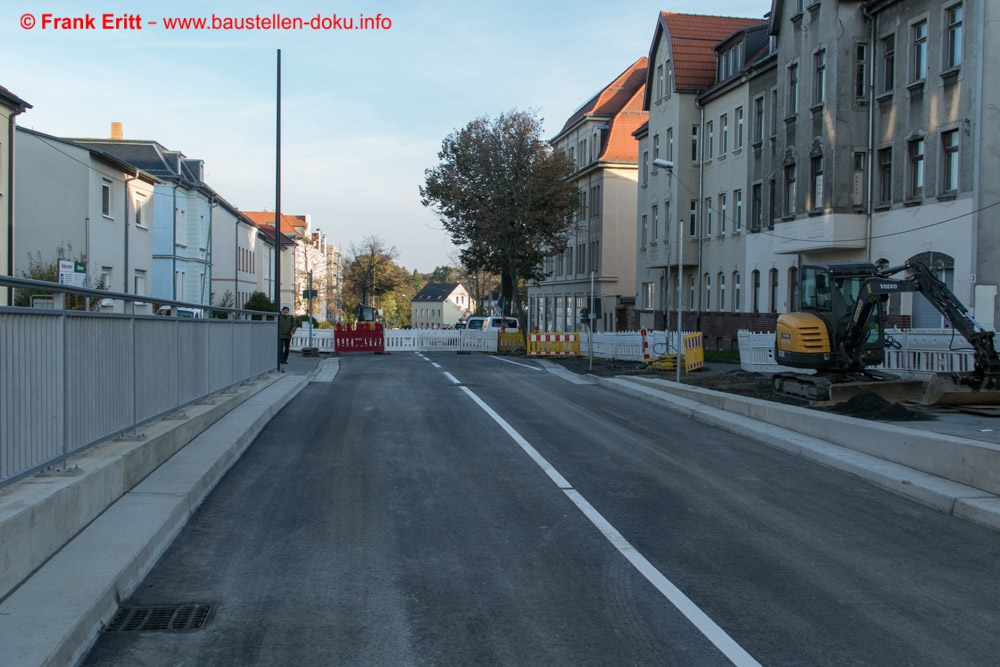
(837, 387)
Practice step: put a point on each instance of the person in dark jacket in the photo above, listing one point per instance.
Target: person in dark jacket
(286, 329)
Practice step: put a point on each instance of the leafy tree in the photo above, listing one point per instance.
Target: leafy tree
(39, 269)
(227, 301)
(503, 194)
(446, 274)
(259, 301)
(371, 273)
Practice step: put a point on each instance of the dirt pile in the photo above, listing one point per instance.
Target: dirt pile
(869, 405)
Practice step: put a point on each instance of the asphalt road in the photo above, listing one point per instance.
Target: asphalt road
(388, 519)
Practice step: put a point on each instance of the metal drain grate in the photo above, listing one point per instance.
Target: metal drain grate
(172, 617)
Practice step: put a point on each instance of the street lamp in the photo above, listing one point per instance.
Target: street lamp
(669, 166)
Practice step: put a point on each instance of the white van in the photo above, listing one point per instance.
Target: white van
(493, 324)
(182, 312)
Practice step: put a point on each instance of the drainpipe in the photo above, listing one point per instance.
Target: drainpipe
(11, 123)
(977, 152)
(870, 148)
(701, 187)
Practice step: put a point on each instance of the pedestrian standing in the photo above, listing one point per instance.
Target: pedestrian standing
(286, 329)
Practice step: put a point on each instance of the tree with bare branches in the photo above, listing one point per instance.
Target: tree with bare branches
(371, 272)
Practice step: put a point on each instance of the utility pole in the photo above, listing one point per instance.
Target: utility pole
(277, 211)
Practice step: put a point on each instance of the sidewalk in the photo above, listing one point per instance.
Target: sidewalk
(53, 616)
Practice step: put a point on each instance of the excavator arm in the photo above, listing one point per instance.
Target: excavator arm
(923, 280)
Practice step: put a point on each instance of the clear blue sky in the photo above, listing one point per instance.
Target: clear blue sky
(363, 112)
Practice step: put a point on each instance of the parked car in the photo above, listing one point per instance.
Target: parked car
(493, 324)
(181, 311)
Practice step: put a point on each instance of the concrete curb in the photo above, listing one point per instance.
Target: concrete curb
(54, 616)
(782, 428)
(40, 514)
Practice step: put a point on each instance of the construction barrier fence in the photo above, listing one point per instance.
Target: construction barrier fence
(554, 345)
(510, 341)
(694, 352)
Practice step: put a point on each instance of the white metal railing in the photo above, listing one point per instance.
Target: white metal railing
(71, 378)
(921, 353)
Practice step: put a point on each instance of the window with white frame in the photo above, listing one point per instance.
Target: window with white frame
(106, 198)
(656, 223)
(694, 143)
(949, 171)
(721, 278)
(708, 292)
(819, 77)
(915, 151)
(724, 134)
(670, 144)
(739, 128)
(885, 176)
(816, 185)
(887, 78)
(645, 167)
(708, 216)
(756, 207)
(792, 103)
(953, 41)
(693, 220)
(758, 120)
(648, 295)
(755, 291)
(774, 290)
(140, 210)
(709, 139)
(656, 146)
(736, 291)
(774, 112)
(670, 77)
(918, 51)
(860, 70)
(790, 176)
(722, 214)
(691, 294)
(737, 210)
(644, 231)
(659, 82)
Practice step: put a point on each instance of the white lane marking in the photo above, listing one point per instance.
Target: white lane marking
(517, 363)
(699, 619)
(525, 445)
(736, 654)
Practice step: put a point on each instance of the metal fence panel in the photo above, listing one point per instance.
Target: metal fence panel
(31, 390)
(69, 379)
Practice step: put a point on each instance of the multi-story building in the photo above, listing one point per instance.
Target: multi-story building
(10, 107)
(600, 249)
(690, 215)
(182, 220)
(88, 203)
(315, 259)
(860, 132)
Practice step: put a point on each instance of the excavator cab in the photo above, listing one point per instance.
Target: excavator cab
(812, 337)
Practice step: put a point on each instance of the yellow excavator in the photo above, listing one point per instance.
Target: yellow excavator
(839, 334)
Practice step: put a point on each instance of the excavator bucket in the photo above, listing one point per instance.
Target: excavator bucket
(952, 389)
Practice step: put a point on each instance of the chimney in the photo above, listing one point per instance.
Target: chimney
(116, 131)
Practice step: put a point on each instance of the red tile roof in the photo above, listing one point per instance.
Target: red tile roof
(614, 97)
(295, 225)
(621, 146)
(692, 40)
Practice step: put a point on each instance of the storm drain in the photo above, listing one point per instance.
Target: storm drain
(190, 616)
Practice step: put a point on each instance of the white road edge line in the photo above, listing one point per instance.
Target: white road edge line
(709, 628)
(517, 363)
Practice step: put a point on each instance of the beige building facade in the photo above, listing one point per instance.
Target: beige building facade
(600, 247)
